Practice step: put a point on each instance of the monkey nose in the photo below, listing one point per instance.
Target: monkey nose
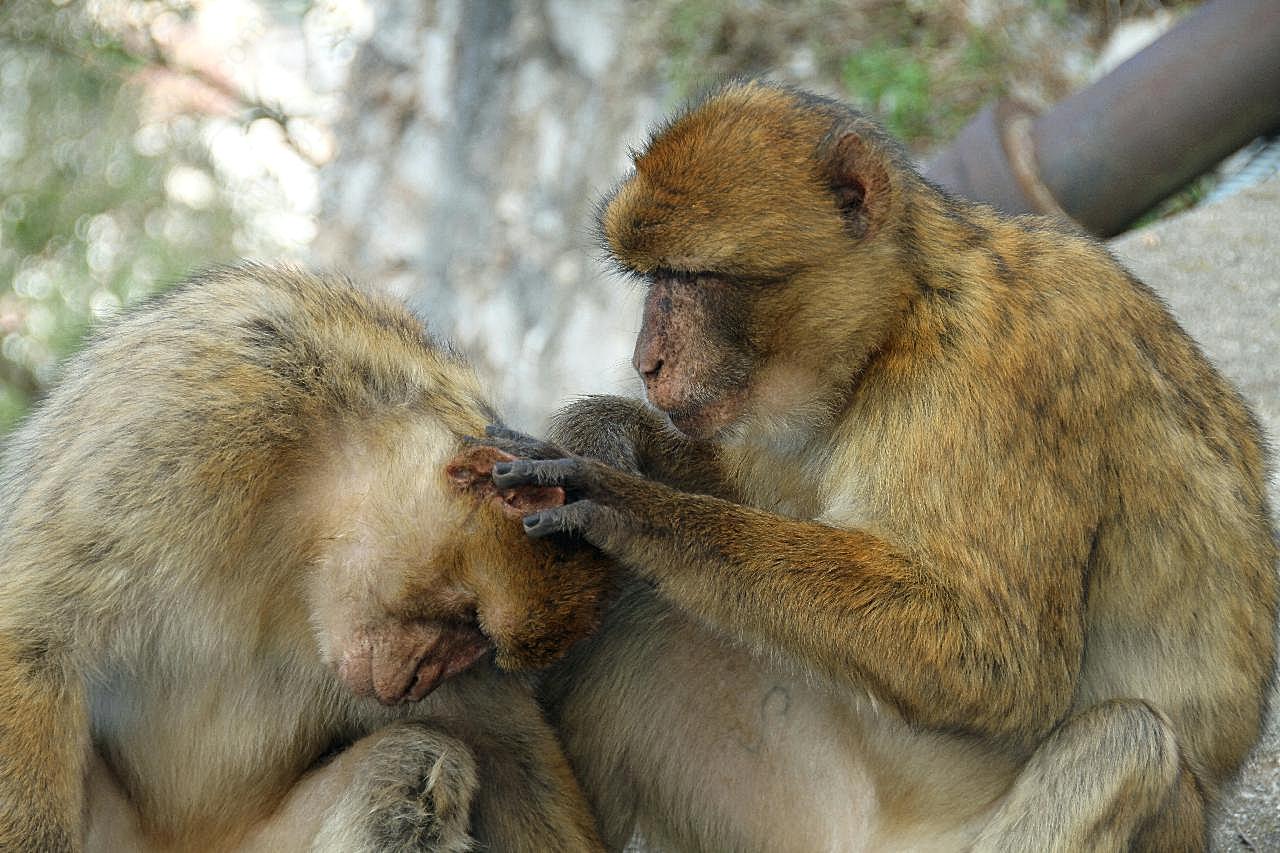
(649, 367)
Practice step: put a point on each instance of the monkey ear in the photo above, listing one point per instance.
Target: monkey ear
(469, 473)
(860, 183)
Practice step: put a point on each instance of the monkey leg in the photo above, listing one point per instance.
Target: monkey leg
(1109, 778)
(411, 790)
(529, 800)
(44, 744)
(113, 823)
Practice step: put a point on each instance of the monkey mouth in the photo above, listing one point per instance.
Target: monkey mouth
(405, 662)
(707, 419)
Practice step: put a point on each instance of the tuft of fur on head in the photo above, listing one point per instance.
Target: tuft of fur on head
(738, 168)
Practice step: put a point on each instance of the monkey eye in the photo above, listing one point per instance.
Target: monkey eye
(673, 275)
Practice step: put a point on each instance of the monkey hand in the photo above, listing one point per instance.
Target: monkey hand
(594, 495)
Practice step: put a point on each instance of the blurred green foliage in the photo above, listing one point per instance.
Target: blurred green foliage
(87, 217)
(923, 68)
(898, 84)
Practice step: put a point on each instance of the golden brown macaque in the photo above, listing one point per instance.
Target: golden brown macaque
(244, 534)
(958, 542)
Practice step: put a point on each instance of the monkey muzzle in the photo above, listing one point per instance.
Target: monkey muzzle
(403, 662)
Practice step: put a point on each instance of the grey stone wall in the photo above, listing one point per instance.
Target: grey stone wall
(478, 139)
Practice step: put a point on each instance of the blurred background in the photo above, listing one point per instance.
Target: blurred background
(453, 153)
(450, 152)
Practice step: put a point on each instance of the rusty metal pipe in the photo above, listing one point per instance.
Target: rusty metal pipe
(1109, 153)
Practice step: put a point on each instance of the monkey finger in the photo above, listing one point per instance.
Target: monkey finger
(573, 519)
(568, 473)
(519, 443)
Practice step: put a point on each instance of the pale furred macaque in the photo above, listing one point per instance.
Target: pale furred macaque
(256, 593)
(944, 535)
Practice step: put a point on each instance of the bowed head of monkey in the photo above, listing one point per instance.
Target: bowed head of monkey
(257, 593)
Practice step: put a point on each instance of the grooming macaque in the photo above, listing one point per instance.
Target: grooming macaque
(244, 534)
(958, 541)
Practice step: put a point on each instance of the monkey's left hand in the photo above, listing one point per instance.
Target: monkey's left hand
(596, 495)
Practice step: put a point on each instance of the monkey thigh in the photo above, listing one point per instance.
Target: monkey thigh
(696, 744)
(1109, 778)
(112, 821)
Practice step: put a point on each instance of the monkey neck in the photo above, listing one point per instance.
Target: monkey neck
(909, 288)
(951, 257)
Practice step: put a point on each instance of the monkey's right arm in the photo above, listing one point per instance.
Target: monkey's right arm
(953, 647)
(43, 748)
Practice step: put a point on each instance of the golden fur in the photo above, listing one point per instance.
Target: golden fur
(973, 546)
(237, 498)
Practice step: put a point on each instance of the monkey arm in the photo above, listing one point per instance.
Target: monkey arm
(630, 435)
(949, 653)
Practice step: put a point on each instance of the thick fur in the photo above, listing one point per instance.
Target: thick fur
(236, 499)
(971, 546)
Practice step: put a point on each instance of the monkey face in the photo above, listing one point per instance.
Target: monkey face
(693, 351)
(756, 221)
(419, 578)
(397, 660)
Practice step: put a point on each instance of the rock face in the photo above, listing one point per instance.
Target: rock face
(1219, 269)
(479, 138)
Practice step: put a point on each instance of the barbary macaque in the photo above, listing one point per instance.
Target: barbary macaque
(945, 536)
(254, 586)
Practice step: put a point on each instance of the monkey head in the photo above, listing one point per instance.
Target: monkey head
(757, 220)
(421, 575)
(535, 598)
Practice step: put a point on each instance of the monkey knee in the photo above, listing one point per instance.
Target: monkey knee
(1160, 776)
(1102, 780)
(1158, 803)
(413, 790)
(600, 428)
(1136, 740)
(1180, 826)
(1126, 758)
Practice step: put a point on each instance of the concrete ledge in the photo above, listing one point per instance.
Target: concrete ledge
(1219, 269)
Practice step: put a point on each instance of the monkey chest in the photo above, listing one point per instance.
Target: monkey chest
(756, 740)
